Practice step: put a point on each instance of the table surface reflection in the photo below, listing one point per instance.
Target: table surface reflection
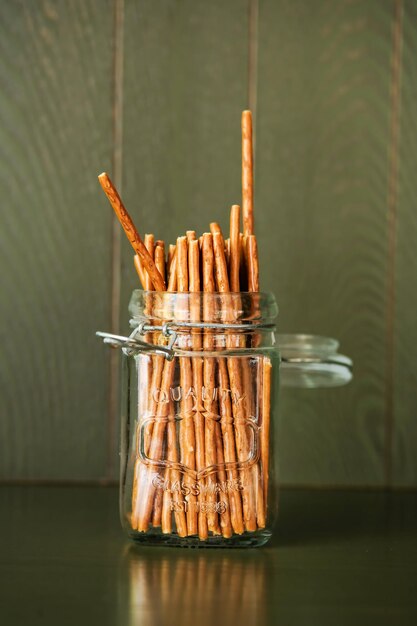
(338, 557)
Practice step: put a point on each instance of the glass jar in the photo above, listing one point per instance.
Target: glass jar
(200, 376)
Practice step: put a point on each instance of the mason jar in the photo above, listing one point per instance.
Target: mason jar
(200, 376)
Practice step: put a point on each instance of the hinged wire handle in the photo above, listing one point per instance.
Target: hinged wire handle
(170, 330)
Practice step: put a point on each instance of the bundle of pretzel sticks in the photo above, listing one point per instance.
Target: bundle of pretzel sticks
(197, 464)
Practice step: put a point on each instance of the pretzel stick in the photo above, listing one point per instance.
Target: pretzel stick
(261, 476)
(145, 364)
(243, 273)
(171, 252)
(247, 173)
(159, 257)
(139, 269)
(187, 435)
(197, 365)
(234, 251)
(266, 419)
(229, 445)
(252, 263)
(131, 232)
(147, 487)
(149, 241)
(235, 379)
(209, 385)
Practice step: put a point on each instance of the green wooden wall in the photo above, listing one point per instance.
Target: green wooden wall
(151, 91)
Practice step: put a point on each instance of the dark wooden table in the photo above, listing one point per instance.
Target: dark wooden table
(337, 558)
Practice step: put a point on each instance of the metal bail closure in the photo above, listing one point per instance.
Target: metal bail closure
(133, 343)
(170, 331)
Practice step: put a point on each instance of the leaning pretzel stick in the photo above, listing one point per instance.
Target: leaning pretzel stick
(247, 173)
(197, 365)
(131, 232)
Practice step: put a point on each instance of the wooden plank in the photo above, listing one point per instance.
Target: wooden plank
(56, 85)
(405, 355)
(322, 145)
(185, 88)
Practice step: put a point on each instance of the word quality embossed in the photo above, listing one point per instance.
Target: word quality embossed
(206, 394)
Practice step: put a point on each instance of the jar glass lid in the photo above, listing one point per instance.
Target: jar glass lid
(312, 361)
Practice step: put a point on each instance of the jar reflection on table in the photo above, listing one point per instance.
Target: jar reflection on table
(190, 588)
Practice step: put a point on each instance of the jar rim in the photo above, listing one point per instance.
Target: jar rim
(240, 307)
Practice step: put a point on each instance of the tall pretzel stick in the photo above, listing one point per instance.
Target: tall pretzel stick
(247, 173)
(131, 232)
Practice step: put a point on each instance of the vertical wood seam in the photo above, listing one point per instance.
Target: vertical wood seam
(253, 10)
(117, 132)
(392, 222)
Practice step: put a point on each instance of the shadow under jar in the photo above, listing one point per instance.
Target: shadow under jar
(200, 378)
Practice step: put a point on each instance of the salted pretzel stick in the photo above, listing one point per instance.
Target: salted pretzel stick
(247, 173)
(209, 377)
(131, 232)
(235, 379)
(187, 435)
(197, 365)
(139, 269)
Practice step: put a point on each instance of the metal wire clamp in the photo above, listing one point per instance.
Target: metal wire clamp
(169, 330)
